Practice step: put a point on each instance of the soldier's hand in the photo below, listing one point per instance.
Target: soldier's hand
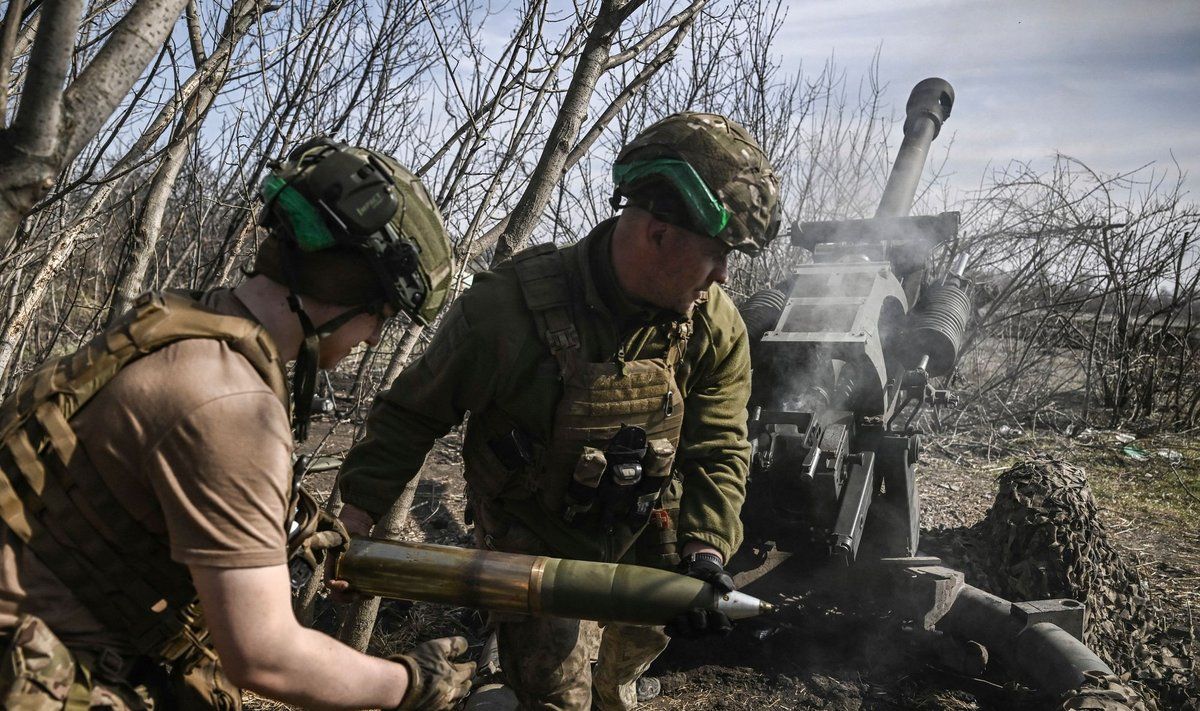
(435, 680)
(698, 622)
(708, 567)
(357, 523)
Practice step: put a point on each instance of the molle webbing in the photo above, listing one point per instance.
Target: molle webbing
(543, 280)
(54, 501)
(598, 398)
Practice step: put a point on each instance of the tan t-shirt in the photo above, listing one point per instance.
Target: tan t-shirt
(196, 446)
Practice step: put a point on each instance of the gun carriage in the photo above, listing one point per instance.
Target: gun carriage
(844, 354)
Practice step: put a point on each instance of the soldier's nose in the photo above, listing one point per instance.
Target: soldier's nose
(720, 272)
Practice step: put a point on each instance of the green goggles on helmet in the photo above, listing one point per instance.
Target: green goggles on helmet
(707, 213)
(360, 203)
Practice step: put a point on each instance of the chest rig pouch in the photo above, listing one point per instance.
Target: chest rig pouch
(614, 416)
(120, 571)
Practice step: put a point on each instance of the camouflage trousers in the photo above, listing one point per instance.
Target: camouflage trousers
(39, 673)
(547, 661)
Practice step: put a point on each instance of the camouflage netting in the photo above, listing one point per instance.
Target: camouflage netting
(1043, 539)
(1104, 692)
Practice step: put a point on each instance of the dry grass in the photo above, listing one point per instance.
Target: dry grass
(1148, 506)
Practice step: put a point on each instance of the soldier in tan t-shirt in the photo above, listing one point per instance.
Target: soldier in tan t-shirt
(141, 432)
(173, 479)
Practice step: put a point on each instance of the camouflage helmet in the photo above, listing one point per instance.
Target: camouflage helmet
(729, 163)
(345, 205)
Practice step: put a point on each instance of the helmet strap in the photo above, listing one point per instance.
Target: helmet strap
(304, 373)
(342, 319)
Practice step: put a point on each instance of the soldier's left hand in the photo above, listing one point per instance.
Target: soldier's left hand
(357, 523)
(436, 680)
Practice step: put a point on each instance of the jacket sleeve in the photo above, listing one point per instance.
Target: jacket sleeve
(429, 397)
(714, 456)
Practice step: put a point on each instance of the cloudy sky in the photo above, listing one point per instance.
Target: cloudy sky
(1114, 84)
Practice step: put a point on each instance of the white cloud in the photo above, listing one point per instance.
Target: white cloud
(1116, 84)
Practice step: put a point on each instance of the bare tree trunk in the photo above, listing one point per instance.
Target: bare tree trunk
(52, 125)
(27, 160)
(404, 350)
(243, 228)
(360, 620)
(148, 227)
(592, 60)
(8, 45)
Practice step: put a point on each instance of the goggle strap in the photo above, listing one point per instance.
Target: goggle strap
(304, 383)
(707, 212)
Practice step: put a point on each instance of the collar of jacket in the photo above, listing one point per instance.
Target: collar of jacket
(601, 290)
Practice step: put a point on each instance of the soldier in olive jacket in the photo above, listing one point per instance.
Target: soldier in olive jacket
(606, 384)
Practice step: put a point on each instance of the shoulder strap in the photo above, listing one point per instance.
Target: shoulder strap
(544, 285)
(161, 318)
(128, 582)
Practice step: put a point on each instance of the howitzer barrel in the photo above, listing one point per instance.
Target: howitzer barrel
(509, 582)
(928, 107)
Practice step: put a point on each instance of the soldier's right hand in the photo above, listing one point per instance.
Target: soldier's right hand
(699, 622)
(435, 680)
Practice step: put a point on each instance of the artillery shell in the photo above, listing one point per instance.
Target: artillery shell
(508, 582)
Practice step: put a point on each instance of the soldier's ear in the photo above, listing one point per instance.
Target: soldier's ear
(656, 230)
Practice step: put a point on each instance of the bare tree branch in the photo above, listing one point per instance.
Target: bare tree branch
(39, 116)
(195, 33)
(627, 92)
(566, 127)
(687, 15)
(148, 225)
(101, 86)
(8, 45)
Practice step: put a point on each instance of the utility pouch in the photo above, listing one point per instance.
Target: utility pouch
(513, 449)
(585, 483)
(658, 545)
(199, 684)
(622, 475)
(656, 475)
(38, 672)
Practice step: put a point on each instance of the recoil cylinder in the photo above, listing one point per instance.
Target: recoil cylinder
(761, 312)
(936, 328)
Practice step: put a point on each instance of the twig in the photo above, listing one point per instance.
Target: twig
(449, 69)
(1182, 484)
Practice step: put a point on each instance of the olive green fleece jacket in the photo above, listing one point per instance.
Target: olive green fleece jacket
(487, 359)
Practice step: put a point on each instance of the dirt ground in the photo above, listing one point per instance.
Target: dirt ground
(821, 658)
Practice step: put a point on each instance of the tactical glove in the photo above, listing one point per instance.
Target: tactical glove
(435, 680)
(699, 622)
(323, 537)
